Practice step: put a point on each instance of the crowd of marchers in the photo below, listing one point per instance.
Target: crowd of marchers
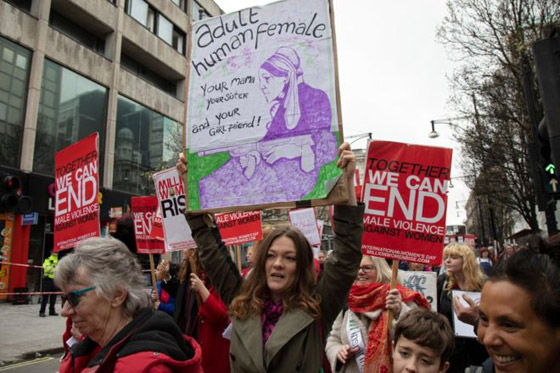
(290, 312)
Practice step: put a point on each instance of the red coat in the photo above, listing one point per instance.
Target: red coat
(212, 321)
(145, 345)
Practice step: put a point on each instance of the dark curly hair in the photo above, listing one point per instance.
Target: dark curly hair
(536, 270)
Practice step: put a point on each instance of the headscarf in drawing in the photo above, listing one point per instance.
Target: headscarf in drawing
(286, 63)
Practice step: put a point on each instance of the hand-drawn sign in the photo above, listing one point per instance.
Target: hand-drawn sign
(262, 116)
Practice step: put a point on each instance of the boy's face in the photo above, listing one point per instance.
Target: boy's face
(409, 356)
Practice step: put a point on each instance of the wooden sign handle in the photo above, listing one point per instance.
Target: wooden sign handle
(153, 272)
(394, 276)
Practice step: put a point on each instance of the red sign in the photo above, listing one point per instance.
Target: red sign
(144, 210)
(405, 193)
(76, 210)
(357, 185)
(470, 239)
(240, 227)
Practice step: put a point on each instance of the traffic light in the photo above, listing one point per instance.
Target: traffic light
(547, 61)
(11, 198)
(543, 143)
(546, 164)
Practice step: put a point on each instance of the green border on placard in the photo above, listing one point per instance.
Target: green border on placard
(200, 167)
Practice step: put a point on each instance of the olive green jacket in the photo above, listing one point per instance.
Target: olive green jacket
(297, 341)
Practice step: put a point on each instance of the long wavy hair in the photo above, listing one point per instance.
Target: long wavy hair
(474, 278)
(300, 293)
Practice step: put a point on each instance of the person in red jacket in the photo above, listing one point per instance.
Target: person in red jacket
(106, 299)
(213, 319)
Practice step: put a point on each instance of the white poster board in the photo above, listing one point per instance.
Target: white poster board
(171, 199)
(422, 282)
(463, 329)
(306, 222)
(262, 118)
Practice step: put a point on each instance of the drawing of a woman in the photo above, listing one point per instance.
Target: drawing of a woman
(286, 162)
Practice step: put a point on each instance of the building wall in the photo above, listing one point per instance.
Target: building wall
(87, 41)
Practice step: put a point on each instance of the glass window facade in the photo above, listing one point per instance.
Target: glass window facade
(71, 107)
(138, 9)
(15, 62)
(165, 29)
(157, 23)
(76, 32)
(22, 4)
(146, 141)
(135, 67)
(199, 12)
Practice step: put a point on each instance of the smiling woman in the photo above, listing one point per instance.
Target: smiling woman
(519, 308)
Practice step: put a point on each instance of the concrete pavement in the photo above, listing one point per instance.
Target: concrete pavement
(23, 333)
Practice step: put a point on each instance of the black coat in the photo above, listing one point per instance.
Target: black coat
(468, 351)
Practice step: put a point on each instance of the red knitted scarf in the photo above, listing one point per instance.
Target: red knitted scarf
(371, 298)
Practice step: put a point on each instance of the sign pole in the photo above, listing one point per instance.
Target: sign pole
(186, 96)
(153, 272)
(193, 261)
(394, 276)
(238, 252)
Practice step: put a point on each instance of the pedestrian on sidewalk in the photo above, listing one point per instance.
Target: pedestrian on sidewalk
(48, 285)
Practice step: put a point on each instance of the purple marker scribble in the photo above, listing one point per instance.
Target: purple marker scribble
(285, 163)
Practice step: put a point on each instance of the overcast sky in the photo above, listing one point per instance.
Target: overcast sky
(392, 75)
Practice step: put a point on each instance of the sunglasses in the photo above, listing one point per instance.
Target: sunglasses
(73, 297)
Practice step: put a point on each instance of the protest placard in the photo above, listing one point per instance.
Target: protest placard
(422, 282)
(306, 222)
(76, 209)
(470, 239)
(143, 213)
(405, 197)
(171, 197)
(263, 118)
(240, 227)
(463, 329)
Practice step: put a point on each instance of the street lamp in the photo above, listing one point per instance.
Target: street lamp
(435, 134)
(359, 137)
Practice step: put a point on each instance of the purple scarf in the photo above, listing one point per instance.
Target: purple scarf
(270, 315)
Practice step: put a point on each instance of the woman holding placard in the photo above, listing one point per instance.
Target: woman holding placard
(280, 316)
(462, 272)
(365, 321)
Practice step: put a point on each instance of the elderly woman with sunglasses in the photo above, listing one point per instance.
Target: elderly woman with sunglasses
(359, 340)
(108, 302)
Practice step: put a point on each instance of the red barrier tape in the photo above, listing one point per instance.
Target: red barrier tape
(35, 293)
(22, 265)
(34, 266)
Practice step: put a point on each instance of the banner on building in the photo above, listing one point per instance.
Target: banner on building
(171, 197)
(306, 222)
(76, 210)
(240, 227)
(262, 119)
(144, 210)
(405, 197)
